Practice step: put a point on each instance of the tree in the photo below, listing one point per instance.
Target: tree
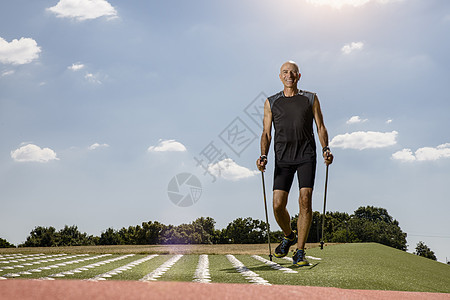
(170, 235)
(48, 237)
(128, 236)
(220, 236)
(41, 237)
(374, 224)
(335, 227)
(246, 231)
(371, 213)
(367, 224)
(423, 250)
(205, 226)
(71, 236)
(109, 237)
(5, 244)
(200, 231)
(151, 232)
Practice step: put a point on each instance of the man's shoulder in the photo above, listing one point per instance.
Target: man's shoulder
(310, 95)
(306, 93)
(274, 97)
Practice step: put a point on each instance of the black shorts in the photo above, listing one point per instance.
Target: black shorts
(284, 175)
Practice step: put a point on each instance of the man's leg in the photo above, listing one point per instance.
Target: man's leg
(304, 217)
(280, 199)
(282, 181)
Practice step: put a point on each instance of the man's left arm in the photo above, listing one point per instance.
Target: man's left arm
(322, 131)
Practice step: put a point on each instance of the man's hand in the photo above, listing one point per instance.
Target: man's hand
(328, 156)
(261, 163)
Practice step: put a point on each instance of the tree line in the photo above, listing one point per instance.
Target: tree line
(366, 224)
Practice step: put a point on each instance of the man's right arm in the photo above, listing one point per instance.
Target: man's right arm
(266, 136)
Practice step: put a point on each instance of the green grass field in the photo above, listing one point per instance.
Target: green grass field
(349, 266)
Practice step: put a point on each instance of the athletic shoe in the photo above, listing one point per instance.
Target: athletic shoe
(299, 258)
(283, 248)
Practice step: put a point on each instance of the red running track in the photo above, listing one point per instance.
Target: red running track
(86, 290)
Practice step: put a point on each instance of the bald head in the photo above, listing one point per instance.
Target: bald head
(289, 65)
(289, 76)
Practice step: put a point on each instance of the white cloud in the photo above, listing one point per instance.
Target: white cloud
(76, 67)
(92, 78)
(7, 73)
(229, 170)
(167, 145)
(364, 140)
(18, 52)
(404, 155)
(355, 120)
(389, 121)
(353, 46)
(423, 154)
(83, 9)
(97, 146)
(33, 153)
(342, 3)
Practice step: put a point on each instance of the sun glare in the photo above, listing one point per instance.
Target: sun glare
(339, 3)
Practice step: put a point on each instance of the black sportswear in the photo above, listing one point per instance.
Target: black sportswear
(284, 175)
(293, 123)
(294, 144)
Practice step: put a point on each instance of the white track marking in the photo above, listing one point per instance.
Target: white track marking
(56, 266)
(31, 262)
(27, 272)
(123, 268)
(21, 256)
(161, 269)
(94, 265)
(312, 257)
(249, 275)
(274, 265)
(202, 272)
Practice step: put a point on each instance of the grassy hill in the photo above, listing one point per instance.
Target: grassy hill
(351, 266)
(375, 266)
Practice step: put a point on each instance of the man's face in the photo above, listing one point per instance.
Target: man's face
(289, 75)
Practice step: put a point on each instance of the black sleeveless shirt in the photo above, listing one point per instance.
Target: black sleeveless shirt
(293, 123)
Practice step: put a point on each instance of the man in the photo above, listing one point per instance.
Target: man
(292, 112)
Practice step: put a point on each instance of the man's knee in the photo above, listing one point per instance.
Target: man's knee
(279, 199)
(305, 200)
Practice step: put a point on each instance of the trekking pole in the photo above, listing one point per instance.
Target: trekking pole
(267, 217)
(324, 205)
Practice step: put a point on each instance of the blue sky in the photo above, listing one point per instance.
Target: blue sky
(103, 103)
